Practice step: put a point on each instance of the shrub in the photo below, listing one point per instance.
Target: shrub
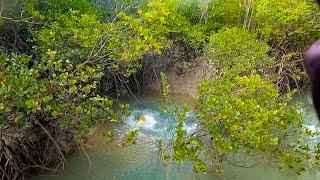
(288, 26)
(51, 10)
(74, 49)
(276, 18)
(237, 51)
(247, 114)
(32, 92)
(272, 19)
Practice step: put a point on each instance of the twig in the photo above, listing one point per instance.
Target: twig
(124, 81)
(25, 20)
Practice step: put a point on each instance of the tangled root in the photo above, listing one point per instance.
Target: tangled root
(32, 150)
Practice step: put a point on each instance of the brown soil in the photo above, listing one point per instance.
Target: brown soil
(187, 82)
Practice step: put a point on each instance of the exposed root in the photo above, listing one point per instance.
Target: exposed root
(290, 73)
(88, 157)
(32, 150)
(52, 139)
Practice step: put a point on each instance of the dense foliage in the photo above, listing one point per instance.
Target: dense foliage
(74, 49)
(237, 51)
(247, 114)
(46, 92)
(66, 58)
(288, 26)
(256, 50)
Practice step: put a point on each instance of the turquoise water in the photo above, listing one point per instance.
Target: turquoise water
(106, 160)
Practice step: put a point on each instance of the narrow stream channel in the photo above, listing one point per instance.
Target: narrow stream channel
(107, 160)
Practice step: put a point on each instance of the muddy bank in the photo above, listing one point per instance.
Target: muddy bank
(185, 81)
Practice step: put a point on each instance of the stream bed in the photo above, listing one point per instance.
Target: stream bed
(106, 160)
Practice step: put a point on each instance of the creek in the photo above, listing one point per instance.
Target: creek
(106, 160)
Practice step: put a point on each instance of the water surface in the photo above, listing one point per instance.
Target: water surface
(107, 160)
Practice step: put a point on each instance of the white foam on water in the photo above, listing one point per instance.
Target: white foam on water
(150, 121)
(190, 128)
(313, 128)
(130, 121)
(154, 124)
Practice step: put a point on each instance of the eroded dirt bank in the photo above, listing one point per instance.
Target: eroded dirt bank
(185, 82)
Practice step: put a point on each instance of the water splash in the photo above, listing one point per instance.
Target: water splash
(154, 123)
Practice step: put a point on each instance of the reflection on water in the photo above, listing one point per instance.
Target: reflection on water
(140, 161)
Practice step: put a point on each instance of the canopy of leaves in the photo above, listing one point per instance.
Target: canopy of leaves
(238, 51)
(73, 49)
(43, 91)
